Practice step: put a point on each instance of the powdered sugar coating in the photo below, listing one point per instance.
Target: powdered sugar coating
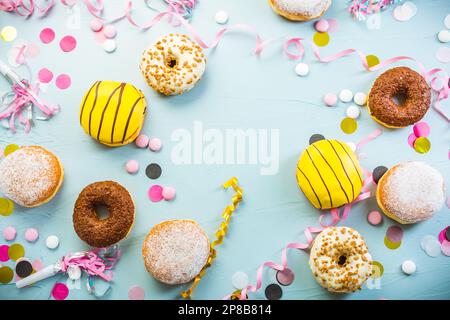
(30, 176)
(411, 192)
(307, 8)
(333, 272)
(175, 251)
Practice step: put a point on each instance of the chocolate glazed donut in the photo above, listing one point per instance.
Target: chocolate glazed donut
(396, 82)
(103, 232)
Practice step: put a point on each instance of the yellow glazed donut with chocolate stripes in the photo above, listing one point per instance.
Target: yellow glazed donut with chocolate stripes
(113, 112)
(329, 174)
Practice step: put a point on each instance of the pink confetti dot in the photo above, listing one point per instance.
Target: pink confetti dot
(142, 141)
(445, 247)
(9, 233)
(47, 35)
(31, 234)
(411, 139)
(63, 81)
(155, 193)
(110, 31)
(168, 193)
(333, 25)
(374, 218)
(4, 256)
(394, 234)
(68, 43)
(421, 129)
(136, 293)
(132, 166)
(96, 25)
(330, 99)
(448, 202)
(60, 291)
(322, 25)
(45, 75)
(155, 144)
(285, 277)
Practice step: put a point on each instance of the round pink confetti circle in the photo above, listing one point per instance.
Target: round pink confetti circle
(68, 43)
(45, 75)
(394, 234)
(445, 247)
(411, 139)
(448, 198)
(31, 234)
(63, 81)
(60, 291)
(168, 193)
(155, 193)
(4, 256)
(96, 25)
(132, 166)
(421, 129)
(142, 141)
(136, 293)
(333, 25)
(441, 236)
(285, 277)
(330, 99)
(47, 35)
(374, 218)
(9, 233)
(155, 144)
(109, 31)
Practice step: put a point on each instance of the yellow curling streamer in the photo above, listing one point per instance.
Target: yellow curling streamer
(220, 234)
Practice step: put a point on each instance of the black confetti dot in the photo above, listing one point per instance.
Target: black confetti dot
(24, 268)
(378, 172)
(447, 234)
(273, 292)
(316, 137)
(153, 171)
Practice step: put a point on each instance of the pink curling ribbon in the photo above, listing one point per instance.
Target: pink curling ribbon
(310, 231)
(25, 8)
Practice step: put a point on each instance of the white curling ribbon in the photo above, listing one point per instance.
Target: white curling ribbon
(74, 20)
(73, 284)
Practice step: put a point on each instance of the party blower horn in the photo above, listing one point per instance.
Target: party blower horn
(95, 262)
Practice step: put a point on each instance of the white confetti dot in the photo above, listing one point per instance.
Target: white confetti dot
(352, 146)
(221, 17)
(346, 95)
(408, 267)
(302, 69)
(52, 242)
(239, 280)
(447, 21)
(109, 45)
(444, 36)
(353, 112)
(431, 246)
(360, 98)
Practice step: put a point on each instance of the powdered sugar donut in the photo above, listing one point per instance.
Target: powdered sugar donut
(300, 10)
(173, 64)
(411, 192)
(175, 251)
(340, 260)
(31, 176)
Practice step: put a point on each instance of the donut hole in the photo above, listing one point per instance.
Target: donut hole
(399, 98)
(342, 259)
(171, 62)
(101, 211)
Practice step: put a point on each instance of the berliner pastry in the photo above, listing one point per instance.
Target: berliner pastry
(31, 176)
(173, 64)
(329, 174)
(175, 251)
(300, 10)
(396, 83)
(98, 232)
(340, 260)
(411, 192)
(113, 113)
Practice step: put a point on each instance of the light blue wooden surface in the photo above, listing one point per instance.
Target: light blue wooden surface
(238, 90)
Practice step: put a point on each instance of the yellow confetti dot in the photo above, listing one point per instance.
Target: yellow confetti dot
(16, 251)
(321, 39)
(6, 275)
(377, 270)
(349, 125)
(372, 60)
(8, 33)
(422, 145)
(391, 245)
(10, 148)
(6, 207)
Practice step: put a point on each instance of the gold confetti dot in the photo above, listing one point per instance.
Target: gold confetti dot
(8, 33)
(6, 207)
(391, 245)
(6, 275)
(377, 270)
(422, 145)
(10, 148)
(321, 39)
(16, 251)
(349, 125)
(372, 60)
